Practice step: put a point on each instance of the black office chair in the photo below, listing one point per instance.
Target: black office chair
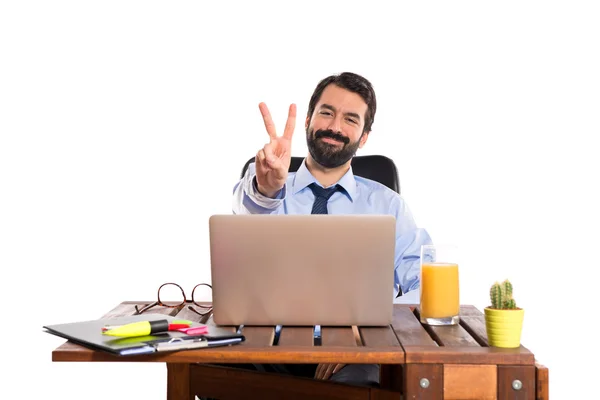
(375, 167)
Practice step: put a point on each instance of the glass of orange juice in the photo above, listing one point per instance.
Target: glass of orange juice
(439, 304)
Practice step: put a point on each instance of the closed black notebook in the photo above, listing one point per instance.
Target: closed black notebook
(89, 334)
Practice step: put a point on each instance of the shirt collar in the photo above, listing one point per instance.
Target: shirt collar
(303, 178)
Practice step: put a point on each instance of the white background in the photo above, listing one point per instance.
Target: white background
(124, 125)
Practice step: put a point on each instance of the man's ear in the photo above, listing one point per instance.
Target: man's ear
(363, 139)
(306, 122)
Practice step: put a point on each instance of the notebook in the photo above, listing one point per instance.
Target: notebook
(302, 270)
(89, 334)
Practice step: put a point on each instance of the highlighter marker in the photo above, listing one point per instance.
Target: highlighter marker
(142, 328)
(173, 326)
(196, 330)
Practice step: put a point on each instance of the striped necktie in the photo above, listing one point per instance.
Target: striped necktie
(322, 195)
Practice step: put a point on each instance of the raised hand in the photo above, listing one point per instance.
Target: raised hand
(273, 160)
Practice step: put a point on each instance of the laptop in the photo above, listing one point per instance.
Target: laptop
(302, 270)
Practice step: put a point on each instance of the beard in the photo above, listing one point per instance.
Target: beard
(330, 155)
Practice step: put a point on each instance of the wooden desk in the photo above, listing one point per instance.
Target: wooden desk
(418, 362)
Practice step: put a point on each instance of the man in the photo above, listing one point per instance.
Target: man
(339, 119)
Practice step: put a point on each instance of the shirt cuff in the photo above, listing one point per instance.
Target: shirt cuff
(263, 200)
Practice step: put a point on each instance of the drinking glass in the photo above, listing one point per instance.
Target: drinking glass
(440, 303)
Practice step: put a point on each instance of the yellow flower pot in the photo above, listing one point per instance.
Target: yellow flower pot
(504, 327)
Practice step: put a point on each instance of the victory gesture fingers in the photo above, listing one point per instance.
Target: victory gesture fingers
(273, 160)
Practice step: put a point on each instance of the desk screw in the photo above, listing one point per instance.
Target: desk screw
(517, 384)
(424, 382)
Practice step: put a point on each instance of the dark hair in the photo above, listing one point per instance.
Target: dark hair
(354, 83)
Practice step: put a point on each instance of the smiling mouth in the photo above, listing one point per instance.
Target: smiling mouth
(331, 140)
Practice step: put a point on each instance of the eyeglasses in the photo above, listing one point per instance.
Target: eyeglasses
(176, 300)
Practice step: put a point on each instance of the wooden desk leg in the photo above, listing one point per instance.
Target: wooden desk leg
(542, 379)
(178, 382)
(516, 382)
(424, 381)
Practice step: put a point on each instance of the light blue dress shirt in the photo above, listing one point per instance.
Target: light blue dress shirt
(360, 196)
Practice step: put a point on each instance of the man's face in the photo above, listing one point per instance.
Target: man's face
(335, 130)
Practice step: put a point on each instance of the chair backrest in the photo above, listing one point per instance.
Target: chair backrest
(375, 167)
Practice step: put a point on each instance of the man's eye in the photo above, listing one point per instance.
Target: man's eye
(352, 121)
(325, 112)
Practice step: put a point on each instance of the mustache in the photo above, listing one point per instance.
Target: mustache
(331, 134)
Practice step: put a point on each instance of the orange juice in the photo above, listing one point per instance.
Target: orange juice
(439, 290)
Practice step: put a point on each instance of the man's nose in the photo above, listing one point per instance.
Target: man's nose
(336, 125)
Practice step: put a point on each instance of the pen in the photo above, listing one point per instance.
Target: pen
(179, 344)
(142, 328)
(184, 344)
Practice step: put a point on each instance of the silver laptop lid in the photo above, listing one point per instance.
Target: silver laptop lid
(302, 269)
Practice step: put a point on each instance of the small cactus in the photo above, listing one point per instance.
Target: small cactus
(510, 304)
(496, 295)
(501, 296)
(507, 288)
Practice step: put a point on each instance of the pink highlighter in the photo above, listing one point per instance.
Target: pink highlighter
(194, 330)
